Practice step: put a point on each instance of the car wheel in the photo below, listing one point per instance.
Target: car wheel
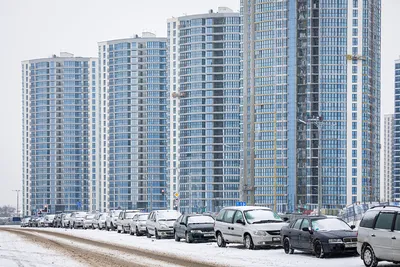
(177, 238)
(318, 249)
(137, 232)
(287, 247)
(248, 242)
(220, 241)
(112, 227)
(107, 228)
(131, 232)
(99, 227)
(74, 226)
(369, 257)
(188, 239)
(147, 233)
(156, 234)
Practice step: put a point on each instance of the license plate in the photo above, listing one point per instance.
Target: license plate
(276, 239)
(212, 234)
(350, 245)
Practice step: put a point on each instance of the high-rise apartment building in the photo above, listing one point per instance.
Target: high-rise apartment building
(386, 184)
(57, 133)
(310, 64)
(132, 84)
(204, 114)
(396, 135)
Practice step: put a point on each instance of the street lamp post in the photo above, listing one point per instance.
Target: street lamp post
(318, 121)
(17, 190)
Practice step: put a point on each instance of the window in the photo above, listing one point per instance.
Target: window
(384, 221)
(220, 215)
(305, 224)
(297, 224)
(397, 223)
(238, 216)
(368, 219)
(229, 216)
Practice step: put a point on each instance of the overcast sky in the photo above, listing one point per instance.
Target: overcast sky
(35, 29)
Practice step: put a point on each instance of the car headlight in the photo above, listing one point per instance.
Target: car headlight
(196, 231)
(163, 226)
(334, 241)
(261, 233)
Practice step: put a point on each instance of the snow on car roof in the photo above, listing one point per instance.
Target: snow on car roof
(244, 208)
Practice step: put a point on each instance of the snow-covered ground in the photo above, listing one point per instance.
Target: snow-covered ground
(232, 255)
(17, 251)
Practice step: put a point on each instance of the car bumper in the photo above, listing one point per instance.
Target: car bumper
(267, 240)
(202, 236)
(166, 233)
(340, 248)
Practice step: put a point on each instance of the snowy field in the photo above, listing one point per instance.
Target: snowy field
(232, 255)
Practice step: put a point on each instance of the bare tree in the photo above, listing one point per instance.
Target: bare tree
(6, 211)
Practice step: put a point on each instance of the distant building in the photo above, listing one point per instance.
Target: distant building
(57, 133)
(133, 134)
(204, 114)
(386, 189)
(396, 135)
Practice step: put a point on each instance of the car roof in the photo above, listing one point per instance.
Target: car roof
(159, 211)
(244, 208)
(130, 211)
(313, 217)
(197, 214)
(386, 207)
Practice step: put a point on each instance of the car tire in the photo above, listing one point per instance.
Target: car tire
(220, 241)
(131, 232)
(107, 228)
(156, 234)
(177, 238)
(287, 247)
(248, 242)
(369, 257)
(99, 227)
(147, 233)
(188, 239)
(112, 227)
(137, 232)
(74, 226)
(319, 249)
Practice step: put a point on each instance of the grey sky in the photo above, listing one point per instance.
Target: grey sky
(34, 29)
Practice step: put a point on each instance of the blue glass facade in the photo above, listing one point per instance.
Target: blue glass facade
(56, 133)
(210, 97)
(396, 136)
(134, 84)
(335, 48)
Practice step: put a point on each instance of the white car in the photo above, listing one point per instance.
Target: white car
(101, 223)
(97, 221)
(88, 220)
(76, 219)
(48, 220)
(248, 225)
(124, 219)
(138, 224)
(65, 220)
(160, 223)
(111, 222)
(379, 235)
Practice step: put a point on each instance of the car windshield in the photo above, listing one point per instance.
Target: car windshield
(116, 213)
(130, 215)
(200, 219)
(80, 215)
(261, 216)
(168, 216)
(50, 217)
(103, 216)
(68, 215)
(143, 217)
(329, 225)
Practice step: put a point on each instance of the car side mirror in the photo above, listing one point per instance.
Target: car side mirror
(240, 221)
(182, 223)
(352, 227)
(306, 229)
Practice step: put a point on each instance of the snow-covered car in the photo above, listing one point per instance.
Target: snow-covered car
(76, 219)
(88, 221)
(40, 222)
(111, 221)
(138, 224)
(124, 219)
(248, 225)
(25, 222)
(160, 223)
(65, 220)
(48, 220)
(101, 223)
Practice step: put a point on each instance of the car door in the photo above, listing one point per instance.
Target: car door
(150, 223)
(227, 225)
(179, 227)
(305, 236)
(294, 233)
(396, 239)
(381, 236)
(238, 229)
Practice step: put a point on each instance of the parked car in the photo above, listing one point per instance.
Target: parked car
(33, 222)
(379, 235)
(48, 220)
(320, 235)
(124, 219)
(194, 227)
(76, 219)
(111, 221)
(57, 220)
(101, 222)
(138, 224)
(251, 226)
(88, 220)
(95, 220)
(25, 222)
(65, 220)
(40, 222)
(160, 223)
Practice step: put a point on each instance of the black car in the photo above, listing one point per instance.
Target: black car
(320, 235)
(194, 227)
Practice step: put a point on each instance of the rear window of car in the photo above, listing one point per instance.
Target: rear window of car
(368, 219)
(384, 221)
